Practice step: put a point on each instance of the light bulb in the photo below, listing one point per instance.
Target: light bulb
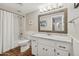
(41, 10)
(45, 9)
(49, 7)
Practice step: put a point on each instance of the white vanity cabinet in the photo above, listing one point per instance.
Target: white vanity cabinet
(50, 47)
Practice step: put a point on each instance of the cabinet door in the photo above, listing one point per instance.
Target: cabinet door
(62, 53)
(41, 50)
(34, 47)
(52, 52)
(44, 50)
(49, 51)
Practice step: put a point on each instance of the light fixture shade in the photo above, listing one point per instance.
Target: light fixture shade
(45, 9)
(41, 10)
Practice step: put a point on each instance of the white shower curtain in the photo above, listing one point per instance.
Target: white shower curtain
(6, 31)
(1, 12)
(16, 30)
(9, 30)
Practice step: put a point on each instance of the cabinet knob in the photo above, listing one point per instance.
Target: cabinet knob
(54, 50)
(46, 49)
(68, 54)
(58, 53)
(43, 48)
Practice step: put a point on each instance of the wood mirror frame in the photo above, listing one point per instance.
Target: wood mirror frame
(53, 31)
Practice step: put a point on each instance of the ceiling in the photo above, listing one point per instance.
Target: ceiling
(20, 8)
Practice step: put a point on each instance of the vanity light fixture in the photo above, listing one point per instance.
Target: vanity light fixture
(43, 10)
(51, 7)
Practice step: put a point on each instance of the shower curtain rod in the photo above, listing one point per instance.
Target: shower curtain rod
(10, 11)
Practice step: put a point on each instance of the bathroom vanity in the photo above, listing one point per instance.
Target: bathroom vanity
(51, 45)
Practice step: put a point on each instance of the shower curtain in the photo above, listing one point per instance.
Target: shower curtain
(1, 31)
(9, 30)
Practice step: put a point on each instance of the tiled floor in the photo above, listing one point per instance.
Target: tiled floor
(16, 52)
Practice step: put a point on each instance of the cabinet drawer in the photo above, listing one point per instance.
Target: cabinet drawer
(62, 53)
(63, 45)
(47, 42)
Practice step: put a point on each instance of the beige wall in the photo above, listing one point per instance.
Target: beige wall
(73, 29)
(34, 18)
(22, 25)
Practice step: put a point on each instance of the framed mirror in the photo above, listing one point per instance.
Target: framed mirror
(55, 22)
